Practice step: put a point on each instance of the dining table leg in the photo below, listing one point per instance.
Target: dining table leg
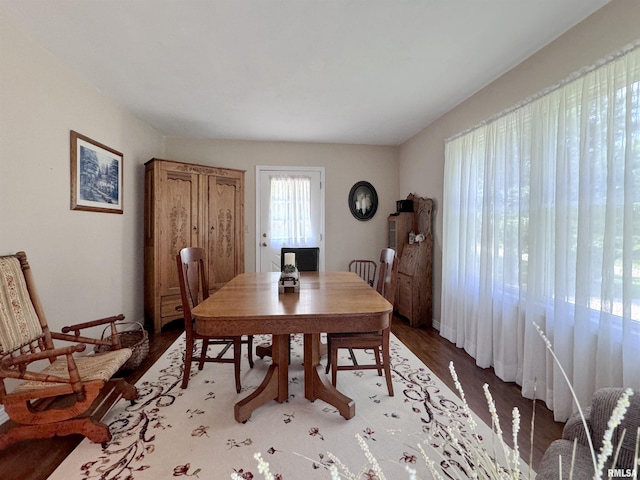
(316, 383)
(275, 385)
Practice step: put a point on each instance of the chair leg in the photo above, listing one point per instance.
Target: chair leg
(386, 355)
(377, 352)
(250, 346)
(333, 354)
(237, 354)
(353, 357)
(387, 374)
(203, 353)
(188, 356)
(129, 392)
(328, 355)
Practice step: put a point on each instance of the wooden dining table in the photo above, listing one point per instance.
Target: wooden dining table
(327, 302)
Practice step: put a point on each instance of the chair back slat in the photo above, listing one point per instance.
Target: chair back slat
(388, 275)
(19, 323)
(365, 269)
(192, 273)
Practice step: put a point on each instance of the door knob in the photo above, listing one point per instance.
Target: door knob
(264, 244)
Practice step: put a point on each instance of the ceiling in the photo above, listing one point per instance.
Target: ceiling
(340, 71)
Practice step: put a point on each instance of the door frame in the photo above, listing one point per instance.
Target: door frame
(263, 168)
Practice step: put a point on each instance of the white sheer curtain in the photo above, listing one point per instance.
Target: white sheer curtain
(290, 211)
(541, 217)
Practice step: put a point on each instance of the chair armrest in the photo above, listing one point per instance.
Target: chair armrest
(94, 323)
(574, 428)
(75, 337)
(89, 340)
(22, 360)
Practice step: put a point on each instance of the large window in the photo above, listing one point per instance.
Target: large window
(542, 224)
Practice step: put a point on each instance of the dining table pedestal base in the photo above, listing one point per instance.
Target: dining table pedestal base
(317, 384)
(275, 385)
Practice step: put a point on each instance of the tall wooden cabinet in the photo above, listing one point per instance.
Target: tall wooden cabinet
(189, 205)
(399, 226)
(414, 298)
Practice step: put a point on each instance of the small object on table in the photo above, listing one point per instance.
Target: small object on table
(289, 278)
(290, 258)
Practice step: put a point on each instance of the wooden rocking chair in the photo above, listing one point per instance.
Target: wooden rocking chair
(71, 394)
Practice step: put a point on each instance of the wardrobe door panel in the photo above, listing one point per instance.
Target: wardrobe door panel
(223, 229)
(179, 207)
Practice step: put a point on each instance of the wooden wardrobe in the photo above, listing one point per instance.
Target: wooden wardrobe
(189, 205)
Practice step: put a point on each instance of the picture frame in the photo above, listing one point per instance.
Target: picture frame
(363, 200)
(97, 176)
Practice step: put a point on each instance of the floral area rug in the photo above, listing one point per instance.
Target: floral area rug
(170, 432)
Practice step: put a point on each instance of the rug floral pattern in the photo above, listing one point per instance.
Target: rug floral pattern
(171, 432)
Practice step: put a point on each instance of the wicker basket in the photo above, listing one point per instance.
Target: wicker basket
(137, 340)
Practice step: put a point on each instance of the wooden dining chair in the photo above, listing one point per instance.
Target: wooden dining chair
(71, 393)
(194, 288)
(378, 341)
(307, 258)
(365, 269)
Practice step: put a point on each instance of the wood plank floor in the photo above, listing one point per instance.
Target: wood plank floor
(37, 459)
(437, 352)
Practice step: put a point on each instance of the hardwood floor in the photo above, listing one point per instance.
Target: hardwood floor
(37, 459)
(437, 352)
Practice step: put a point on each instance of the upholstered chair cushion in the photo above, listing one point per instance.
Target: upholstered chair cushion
(19, 324)
(100, 366)
(597, 417)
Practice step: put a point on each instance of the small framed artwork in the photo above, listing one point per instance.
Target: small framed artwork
(96, 176)
(363, 201)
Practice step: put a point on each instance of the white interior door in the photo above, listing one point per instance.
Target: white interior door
(289, 212)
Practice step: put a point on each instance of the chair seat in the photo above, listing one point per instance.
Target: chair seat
(99, 366)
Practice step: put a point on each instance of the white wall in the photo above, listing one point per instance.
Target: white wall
(90, 264)
(346, 238)
(86, 265)
(422, 157)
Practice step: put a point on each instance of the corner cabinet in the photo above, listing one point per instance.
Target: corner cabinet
(189, 205)
(414, 298)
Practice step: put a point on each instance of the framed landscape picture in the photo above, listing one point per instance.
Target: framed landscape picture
(96, 176)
